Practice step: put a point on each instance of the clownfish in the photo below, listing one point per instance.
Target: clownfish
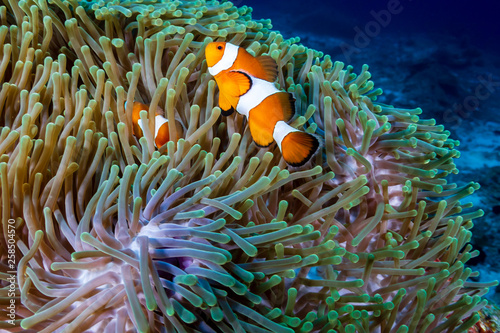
(161, 134)
(224, 59)
(246, 85)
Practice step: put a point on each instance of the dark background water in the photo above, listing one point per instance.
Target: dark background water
(475, 21)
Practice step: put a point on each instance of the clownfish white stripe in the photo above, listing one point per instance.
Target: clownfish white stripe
(159, 120)
(281, 130)
(161, 132)
(227, 60)
(260, 90)
(139, 122)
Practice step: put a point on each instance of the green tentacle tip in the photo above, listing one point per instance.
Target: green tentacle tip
(289, 274)
(216, 314)
(310, 260)
(402, 329)
(85, 236)
(388, 306)
(307, 327)
(350, 328)
(185, 315)
(356, 314)
(188, 279)
(273, 314)
(291, 321)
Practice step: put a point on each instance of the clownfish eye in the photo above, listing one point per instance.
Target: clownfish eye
(219, 47)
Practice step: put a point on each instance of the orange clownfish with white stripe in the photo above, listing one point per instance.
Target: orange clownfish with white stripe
(161, 134)
(246, 85)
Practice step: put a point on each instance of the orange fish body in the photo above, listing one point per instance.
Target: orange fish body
(267, 109)
(161, 135)
(223, 59)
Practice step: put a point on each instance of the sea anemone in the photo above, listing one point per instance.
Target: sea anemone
(211, 233)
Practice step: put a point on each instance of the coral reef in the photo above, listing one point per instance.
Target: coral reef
(211, 233)
(489, 322)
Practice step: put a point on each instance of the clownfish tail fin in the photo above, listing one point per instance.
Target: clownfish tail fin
(298, 147)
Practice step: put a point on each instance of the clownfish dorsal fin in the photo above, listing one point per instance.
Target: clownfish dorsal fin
(269, 66)
(287, 102)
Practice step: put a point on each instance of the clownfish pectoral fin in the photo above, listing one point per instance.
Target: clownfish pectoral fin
(234, 85)
(269, 66)
(238, 83)
(225, 105)
(227, 113)
(298, 148)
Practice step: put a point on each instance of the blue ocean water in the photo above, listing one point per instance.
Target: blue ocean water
(476, 21)
(441, 56)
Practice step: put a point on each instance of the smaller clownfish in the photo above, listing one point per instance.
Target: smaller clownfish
(246, 85)
(161, 135)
